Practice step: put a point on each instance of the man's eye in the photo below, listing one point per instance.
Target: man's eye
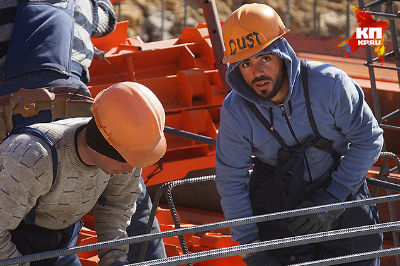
(266, 58)
(245, 65)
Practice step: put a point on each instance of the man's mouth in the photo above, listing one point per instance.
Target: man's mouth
(261, 84)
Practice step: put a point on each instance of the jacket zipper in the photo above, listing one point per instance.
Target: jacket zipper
(284, 114)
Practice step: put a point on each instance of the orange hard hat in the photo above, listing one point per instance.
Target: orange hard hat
(250, 29)
(131, 118)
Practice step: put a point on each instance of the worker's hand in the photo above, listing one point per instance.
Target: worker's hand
(317, 222)
(260, 259)
(114, 257)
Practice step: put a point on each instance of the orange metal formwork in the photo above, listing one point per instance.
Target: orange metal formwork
(88, 258)
(195, 242)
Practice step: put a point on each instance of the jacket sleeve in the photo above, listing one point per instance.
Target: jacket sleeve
(104, 19)
(113, 217)
(233, 160)
(357, 123)
(24, 177)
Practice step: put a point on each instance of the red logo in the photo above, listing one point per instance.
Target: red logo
(370, 32)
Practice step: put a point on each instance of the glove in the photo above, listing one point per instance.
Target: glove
(260, 259)
(114, 257)
(317, 222)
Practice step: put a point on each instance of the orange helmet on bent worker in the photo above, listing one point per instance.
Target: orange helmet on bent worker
(249, 30)
(131, 118)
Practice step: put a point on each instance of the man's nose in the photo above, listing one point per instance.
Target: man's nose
(259, 68)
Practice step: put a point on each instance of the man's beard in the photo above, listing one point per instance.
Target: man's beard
(276, 86)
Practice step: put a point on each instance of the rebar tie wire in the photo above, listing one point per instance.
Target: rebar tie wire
(217, 225)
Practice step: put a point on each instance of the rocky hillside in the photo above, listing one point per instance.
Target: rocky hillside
(145, 15)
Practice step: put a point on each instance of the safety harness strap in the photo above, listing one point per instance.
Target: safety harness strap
(304, 80)
(321, 143)
(266, 124)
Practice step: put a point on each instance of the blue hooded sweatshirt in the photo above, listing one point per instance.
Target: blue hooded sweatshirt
(341, 115)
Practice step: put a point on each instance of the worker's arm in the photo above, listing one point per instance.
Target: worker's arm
(356, 122)
(233, 161)
(113, 216)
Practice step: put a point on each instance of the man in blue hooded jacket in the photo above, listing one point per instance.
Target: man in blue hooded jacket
(312, 135)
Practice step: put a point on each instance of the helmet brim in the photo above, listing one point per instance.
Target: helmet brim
(145, 158)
